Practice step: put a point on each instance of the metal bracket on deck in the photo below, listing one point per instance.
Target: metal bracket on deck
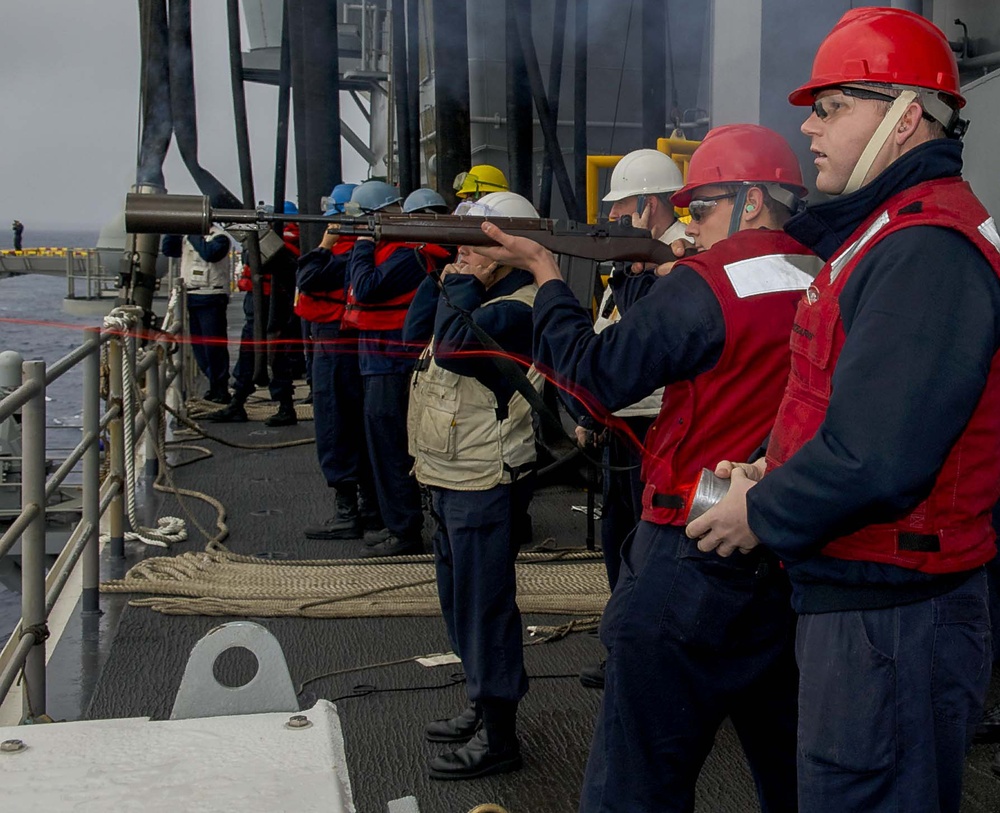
(270, 689)
(408, 804)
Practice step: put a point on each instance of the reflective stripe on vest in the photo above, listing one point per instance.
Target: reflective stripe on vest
(726, 412)
(949, 531)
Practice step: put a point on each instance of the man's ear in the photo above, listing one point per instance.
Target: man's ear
(909, 123)
(753, 209)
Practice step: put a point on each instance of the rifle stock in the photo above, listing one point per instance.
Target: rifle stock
(191, 214)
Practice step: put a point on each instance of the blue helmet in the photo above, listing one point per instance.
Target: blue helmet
(425, 200)
(291, 208)
(372, 196)
(333, 204)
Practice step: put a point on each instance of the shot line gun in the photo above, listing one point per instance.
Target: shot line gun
(608, 242)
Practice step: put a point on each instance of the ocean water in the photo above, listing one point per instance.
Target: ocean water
(33, 323)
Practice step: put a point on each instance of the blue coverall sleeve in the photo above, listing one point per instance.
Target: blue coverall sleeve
(320, 270)
(674, 332)
(419, 325)
(401, 272)
(211, 251)
(172, 245)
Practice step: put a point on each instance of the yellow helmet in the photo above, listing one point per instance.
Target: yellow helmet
(480, 180)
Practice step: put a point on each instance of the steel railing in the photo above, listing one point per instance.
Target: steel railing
(155, 368)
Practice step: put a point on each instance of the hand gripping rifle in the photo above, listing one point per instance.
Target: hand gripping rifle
(608, 242)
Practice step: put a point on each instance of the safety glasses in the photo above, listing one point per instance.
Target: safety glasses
(460, 180)
(844, 101)
(699, 208)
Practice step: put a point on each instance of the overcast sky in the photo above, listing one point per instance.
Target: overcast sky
(69, 103)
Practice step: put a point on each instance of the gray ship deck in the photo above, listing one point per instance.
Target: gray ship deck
(270, 495)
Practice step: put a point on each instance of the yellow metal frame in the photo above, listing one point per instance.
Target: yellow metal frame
(679, 149)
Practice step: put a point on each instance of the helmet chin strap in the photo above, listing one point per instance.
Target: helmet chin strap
(737, 216)
(878, 139)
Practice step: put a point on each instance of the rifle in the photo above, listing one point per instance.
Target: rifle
(606, 242)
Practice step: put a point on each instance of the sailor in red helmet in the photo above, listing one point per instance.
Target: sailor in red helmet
(692, 638)
(884, 462)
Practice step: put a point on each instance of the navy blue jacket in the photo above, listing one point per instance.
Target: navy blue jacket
(211, 251)
(322, 271)
(457, 348)
(922, 316)
(672, 333)
(382, 352)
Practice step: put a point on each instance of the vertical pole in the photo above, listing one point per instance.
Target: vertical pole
(520, 124)
(246, 185)
(580, 100)
(70, 286)
(654, 69)
(116, 452)
(284, 104)
(401, 97)
(90, 564)
(413, 77)
(450, 44)
(33, 539)
(559, 33)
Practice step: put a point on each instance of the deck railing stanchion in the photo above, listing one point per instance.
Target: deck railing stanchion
(90, 601)
(33, 540)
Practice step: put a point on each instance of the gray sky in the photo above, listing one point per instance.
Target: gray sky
(69, 102)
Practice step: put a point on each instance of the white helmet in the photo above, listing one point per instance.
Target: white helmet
(498, 204)
(644, 172)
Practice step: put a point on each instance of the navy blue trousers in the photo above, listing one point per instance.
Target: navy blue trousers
(209, 331)
(692, 639)
(474, 556)
(889, 700)
(385, 404)
(280, 387)
(622, 497)
(338, 413)
(308, 336)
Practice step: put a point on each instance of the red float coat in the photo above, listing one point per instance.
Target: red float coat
(391, 313)
(950, 531)
(326, 306)
(726, 413)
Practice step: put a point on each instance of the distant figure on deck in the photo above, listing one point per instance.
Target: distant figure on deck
(18, 228)
(207, 273)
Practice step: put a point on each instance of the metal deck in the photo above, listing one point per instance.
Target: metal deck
(270, 495)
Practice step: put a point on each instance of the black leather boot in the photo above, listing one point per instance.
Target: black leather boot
(345, 524)
(285, 416)
(493, 750)
(457, 729)
(234, 412)
(371, 518)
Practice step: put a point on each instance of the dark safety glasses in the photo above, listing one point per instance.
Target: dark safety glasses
(843, 101)
(700, 207)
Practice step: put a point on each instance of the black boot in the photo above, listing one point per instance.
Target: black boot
(989, 729)
(458, 729)
(234, 412)
(285, 416)
(592, 676)
(494, 749)
(371, 518)
(345, 524)
(394, 545)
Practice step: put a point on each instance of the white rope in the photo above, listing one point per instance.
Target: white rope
(169, 529)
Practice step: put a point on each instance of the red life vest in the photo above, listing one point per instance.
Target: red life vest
(390, 313)
(950, 530)
(325, 306)
(726, 412)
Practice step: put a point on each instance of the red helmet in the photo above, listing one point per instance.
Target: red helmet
(741, 153)
(886, 45)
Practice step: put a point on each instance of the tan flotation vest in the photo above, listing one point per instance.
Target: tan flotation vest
(455, 438)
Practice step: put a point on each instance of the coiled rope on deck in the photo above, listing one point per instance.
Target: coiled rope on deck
(219, 582)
